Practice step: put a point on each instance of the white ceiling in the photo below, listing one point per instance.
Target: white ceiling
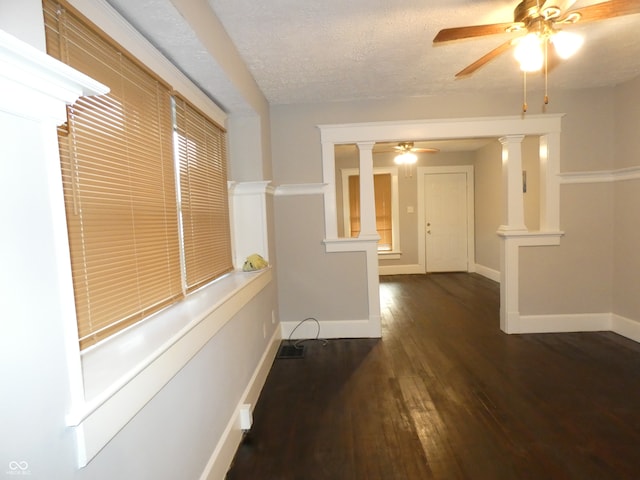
(336, 50)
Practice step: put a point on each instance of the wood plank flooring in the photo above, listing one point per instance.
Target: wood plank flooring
(446, 395)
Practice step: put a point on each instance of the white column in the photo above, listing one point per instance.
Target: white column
(509, 285)
(329, 179)
(549, 184)
(367, 197)
(513, 218)
(39, 340)
(513, 215)
(248, 209)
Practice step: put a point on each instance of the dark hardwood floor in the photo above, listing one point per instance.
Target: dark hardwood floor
(446, 395)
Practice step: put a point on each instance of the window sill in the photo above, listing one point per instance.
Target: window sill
(391, 255)
(123, 374)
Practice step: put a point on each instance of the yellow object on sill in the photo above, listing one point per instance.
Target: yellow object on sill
(254, 262)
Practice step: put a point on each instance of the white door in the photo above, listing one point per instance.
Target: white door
(446, 235)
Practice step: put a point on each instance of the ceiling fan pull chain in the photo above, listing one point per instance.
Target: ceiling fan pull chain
(524, 92)
(546, 72)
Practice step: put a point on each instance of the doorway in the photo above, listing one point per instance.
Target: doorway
(446, 219)
(511, 236)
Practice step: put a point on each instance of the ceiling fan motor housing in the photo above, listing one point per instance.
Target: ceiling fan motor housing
(526, 11)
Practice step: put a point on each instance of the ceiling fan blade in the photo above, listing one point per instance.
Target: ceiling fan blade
(604, 10)
(425, 150)
(458, 33)
(485, 59)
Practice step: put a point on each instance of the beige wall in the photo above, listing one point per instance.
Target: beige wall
(531, 198)
(626, 202)
(488, 204)
(312, 283)
(626, 253)
(574, 277)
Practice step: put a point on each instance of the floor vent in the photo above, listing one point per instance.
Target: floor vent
(291, 351)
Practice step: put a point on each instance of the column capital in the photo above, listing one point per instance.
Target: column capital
(365, 145)
(511, 139)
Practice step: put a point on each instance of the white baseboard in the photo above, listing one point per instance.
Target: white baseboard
(581, 322)
(329, 329)
(587, 322)
(223, 454)
(417, 269)
(490, 273)
(400, 269)
(626, 327)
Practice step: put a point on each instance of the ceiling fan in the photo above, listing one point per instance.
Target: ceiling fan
(404, 147)
(536, 25)
(406, 152)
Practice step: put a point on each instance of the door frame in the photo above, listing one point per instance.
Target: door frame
(422, 172)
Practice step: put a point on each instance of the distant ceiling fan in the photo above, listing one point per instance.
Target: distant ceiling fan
(406, 153)
(537, 24)
(404, 147)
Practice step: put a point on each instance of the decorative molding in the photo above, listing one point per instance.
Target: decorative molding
(626, 327)
(249, 229)
(415, 269)
(300, 189)
(329, 329)
(510, 244)
(487, 272)
(526, 238)
(248, 188)
(357, 244)
(37, 86)
(440, 128)
(601, 176)
(580, 322)
(225, 450)
(547, 126)
(113, 24)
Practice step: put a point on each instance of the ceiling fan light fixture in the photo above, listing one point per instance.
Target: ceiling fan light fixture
(566, 43)
(406, 158)
(529, 53)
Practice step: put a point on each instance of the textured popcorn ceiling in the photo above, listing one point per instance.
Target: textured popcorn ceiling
(306, 51)
(332, 50)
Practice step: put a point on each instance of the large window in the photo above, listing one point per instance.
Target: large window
(142, 232)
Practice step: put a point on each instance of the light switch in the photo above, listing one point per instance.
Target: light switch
(409, 209)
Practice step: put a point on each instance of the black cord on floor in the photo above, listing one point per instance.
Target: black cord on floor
(297, 343)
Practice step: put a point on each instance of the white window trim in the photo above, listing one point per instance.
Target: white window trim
(106, 396)
(395, 207)
(123, 373)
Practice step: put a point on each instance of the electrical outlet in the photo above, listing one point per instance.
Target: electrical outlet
(246, 419)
